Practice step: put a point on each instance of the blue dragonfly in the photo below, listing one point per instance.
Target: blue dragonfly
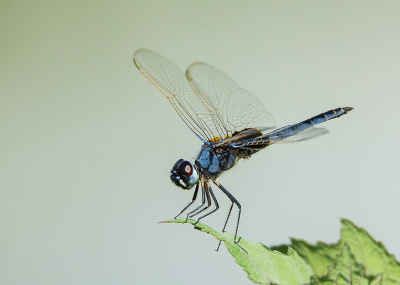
(229, 121)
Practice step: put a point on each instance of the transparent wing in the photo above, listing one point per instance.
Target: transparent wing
(191, 103)
(294, 133)
(237, 107)
(307, 134)
(287, 134)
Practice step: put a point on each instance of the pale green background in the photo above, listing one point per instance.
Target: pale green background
(86, 142)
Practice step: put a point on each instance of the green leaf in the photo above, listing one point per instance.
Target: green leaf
(346, 269)
(356, 259)
(324, 280)
(369, 260)
(262, 265)
(319, 256)
(370, 253)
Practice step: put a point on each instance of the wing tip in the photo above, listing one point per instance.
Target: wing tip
(136, 62)
(188, 75)
(135, 58)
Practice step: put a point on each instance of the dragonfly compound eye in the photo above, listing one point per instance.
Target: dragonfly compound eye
(185, 168)
(184, 174)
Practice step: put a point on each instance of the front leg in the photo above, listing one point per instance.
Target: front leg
(215, 202)
(203, 201)
(193, 199)
(196, 212)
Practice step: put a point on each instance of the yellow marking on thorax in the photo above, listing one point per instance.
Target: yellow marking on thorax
(215, 139)
(218, 138)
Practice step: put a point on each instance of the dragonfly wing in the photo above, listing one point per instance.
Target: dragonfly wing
(305, 130)
(238, 108)
(195, 108)
(307, 134)
(287, 134)
(298, 132)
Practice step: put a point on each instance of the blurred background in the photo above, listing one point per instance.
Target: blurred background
(87, 142)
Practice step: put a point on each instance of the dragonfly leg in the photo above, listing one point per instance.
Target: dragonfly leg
(203, 201)
(193, 199)
(226, 222)
(206, 207)
(215, 202)
(233, 199)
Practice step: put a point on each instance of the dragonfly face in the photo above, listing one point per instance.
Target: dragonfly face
(230, 122)
(184, 174)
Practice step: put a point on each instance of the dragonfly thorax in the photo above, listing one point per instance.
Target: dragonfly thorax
(211, 161)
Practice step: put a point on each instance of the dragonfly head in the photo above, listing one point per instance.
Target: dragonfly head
(184, 174)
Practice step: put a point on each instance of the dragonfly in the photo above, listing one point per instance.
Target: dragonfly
(231, 123)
